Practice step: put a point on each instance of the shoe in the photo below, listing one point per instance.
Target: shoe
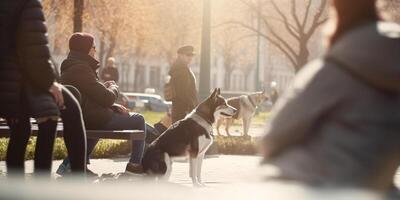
(63, 168)
(134, 168)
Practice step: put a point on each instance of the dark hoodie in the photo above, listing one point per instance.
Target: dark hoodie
(339, 124)
(79, 70)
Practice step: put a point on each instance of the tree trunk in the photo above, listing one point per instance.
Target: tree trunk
(302, 58)
(78, 12)
(102, 49)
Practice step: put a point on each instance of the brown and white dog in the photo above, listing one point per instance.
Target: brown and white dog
(190, 136)
(246, 106)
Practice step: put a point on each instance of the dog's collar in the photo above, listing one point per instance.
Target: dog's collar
(251, 101)
(201, 121)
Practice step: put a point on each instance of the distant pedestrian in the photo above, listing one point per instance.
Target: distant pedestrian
(28, 88)
(339, 124)
(110, 71)
(183, 83)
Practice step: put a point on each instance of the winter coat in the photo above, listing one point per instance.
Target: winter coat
(79, 70)
(110, 73)
(339, 124)
(184, 84)
(25, 71)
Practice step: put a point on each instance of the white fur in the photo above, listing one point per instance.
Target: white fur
(195, 164)
(223, 109)
(200, 121)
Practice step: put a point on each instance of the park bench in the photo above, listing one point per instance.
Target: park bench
(95, 134)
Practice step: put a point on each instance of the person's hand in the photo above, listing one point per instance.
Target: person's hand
(120, 109)
(56, 91)
(110, 83)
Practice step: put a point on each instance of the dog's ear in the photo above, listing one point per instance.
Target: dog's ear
(215, 93)
(218, 91)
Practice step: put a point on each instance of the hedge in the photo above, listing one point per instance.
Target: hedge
(237, 145)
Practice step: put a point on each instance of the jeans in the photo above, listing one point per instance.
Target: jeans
(122, 122)
(127, 122)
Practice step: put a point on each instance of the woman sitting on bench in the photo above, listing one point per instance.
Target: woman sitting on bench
(98, 100)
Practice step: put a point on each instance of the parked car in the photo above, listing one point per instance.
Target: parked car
(133, 102)
(152, 102)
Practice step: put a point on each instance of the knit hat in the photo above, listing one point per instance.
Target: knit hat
(81, 42)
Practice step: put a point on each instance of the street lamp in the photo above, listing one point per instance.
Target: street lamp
(205, 72)
(257, 72)
(78, 12)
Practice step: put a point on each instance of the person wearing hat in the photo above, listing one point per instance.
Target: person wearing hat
(183, 82)
(100, 112)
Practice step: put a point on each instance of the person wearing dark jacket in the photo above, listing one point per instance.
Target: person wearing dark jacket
(338, 125)
(100, 112)
(28, 88)
(110, 72)
(184, 84)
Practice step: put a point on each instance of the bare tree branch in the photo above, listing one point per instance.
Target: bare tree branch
(289, 53)
(279, 38)
(307, 13)
(295, 17)
(317, 19)
(296, 32)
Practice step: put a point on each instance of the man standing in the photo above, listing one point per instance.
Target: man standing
(184, 84)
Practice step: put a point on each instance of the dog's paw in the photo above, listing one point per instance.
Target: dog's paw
(199, 185)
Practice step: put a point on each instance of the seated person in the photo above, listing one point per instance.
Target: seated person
(98, 107)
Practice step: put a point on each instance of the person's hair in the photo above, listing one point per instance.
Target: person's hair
(111, 59)
(350, 14)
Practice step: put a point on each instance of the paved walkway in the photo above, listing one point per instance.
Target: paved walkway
(217, 170)
(226, 177)
(254, 131)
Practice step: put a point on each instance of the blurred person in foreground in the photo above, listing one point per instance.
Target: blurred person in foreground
(100, 112)
(28, 88)
(339, 123)
(110, 71)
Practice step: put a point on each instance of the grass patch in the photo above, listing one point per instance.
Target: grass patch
(236, 145)
(152, 117)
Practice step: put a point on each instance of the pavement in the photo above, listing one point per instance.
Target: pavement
(226, 177)
(217, 169)
(254, 131)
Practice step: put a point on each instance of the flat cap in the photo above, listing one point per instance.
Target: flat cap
(189, 50)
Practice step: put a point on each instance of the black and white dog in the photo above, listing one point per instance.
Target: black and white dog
(190, 136)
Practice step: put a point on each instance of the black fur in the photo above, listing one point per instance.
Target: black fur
(180, 139)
